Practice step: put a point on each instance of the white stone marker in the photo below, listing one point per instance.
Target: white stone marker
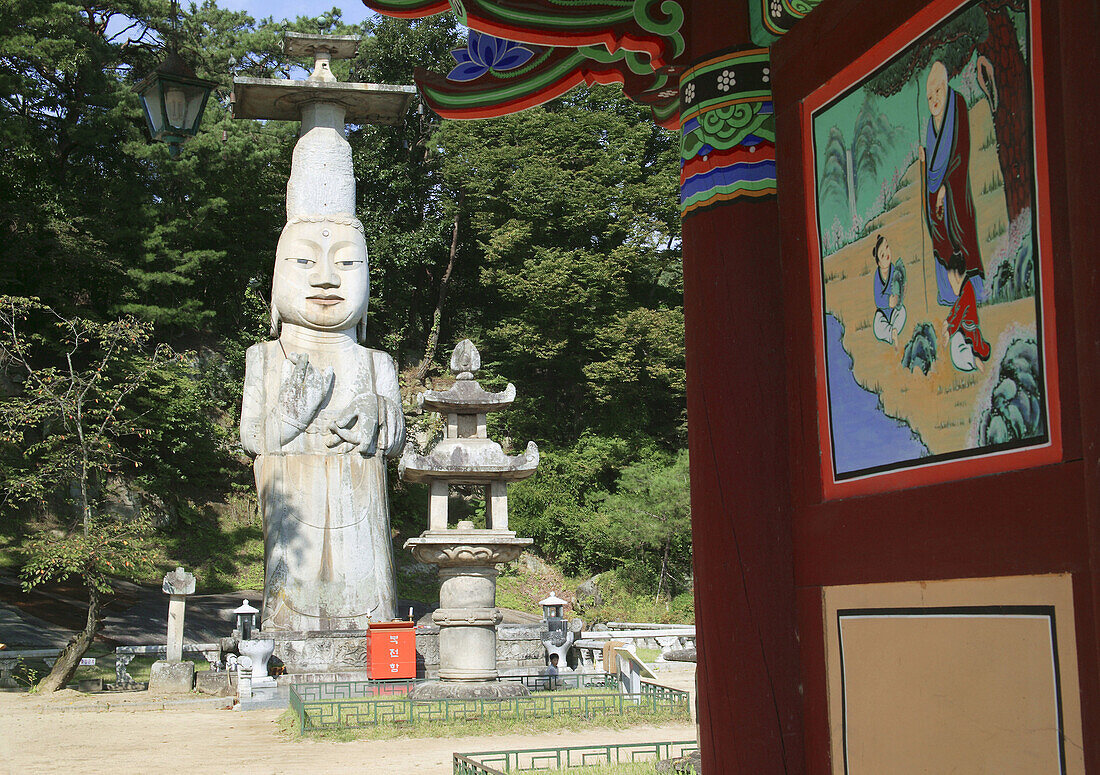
(177, 585)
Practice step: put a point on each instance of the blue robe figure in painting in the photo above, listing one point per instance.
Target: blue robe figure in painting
(948, 203)
(888, 285)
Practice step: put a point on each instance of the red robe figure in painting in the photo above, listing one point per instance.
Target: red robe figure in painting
(962, 331)
(948, 204)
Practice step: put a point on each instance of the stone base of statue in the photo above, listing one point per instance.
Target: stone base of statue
(321, 651)
(468, 690)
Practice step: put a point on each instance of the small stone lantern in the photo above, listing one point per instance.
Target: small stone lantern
(553, 611)
(246, 619)
(558, 638)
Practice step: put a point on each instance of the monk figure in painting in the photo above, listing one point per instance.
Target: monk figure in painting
(948, 203)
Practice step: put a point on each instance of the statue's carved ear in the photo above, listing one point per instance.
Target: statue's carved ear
(361, 330)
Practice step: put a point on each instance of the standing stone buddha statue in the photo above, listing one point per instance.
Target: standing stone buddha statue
(322, 412)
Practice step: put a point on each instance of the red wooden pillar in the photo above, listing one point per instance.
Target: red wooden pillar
(748, 672)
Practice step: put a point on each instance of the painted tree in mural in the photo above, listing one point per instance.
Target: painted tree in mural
(995, 32)
(850, 167)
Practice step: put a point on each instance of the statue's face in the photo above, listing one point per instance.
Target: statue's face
(321, 279)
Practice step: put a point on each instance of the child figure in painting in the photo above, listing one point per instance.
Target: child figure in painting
(961, 329)
(888, 284)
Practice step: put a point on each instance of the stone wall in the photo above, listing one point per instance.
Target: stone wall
(519, 649)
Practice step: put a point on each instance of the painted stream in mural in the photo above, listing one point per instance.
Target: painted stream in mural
(864, 436)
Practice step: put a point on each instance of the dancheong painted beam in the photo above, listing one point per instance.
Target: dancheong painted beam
(520, 55)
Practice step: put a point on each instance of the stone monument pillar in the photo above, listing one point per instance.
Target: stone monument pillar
(467, 557)
(172, 674)
(322, 412)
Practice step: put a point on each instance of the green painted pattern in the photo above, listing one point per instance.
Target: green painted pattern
(634, 61)
(540, 21)
(719, 192)
(725, 128)
(535, 62)
(506, 92)
(669, 28)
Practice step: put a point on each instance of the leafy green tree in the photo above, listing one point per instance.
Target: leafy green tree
(649, 517)
(850, 168)
(551, 238)
(575, 277)
(63, 427)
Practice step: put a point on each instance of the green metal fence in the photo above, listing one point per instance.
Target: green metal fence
(349, 690)
(542, 683)
(500, 762)
(323, 706)
(354, 690)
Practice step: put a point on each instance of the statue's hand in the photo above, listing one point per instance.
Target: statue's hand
(302, 391)
(391, 434)
(357, 425)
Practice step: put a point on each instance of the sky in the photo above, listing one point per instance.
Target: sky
(353, 10)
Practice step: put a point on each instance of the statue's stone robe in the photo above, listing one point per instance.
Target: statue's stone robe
(329, 558)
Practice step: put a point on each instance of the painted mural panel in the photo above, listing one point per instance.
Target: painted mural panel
(933, 304)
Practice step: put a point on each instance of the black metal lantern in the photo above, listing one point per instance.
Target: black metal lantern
(173, 98)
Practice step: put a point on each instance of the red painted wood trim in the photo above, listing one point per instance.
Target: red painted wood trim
(1028, 522)
(815, 693)
(1074, 58)
(1039, 520)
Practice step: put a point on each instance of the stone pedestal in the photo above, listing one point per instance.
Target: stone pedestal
(333, 651)
(171, 677)
(467, 617)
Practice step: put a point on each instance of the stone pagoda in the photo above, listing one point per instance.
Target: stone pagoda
(467, 557)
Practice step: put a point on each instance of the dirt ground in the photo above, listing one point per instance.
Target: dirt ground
(64, 733)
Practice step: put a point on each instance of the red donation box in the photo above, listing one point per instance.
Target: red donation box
(392, 649)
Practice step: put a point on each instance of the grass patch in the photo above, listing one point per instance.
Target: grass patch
(371, 718)
(221, 543)
(989, 141)
(648, 655)
(623, 603)
(994, 183)
(29, 672)
(996, 231)
(631, 768)
(478, 727)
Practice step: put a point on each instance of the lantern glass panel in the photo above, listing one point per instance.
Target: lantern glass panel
(153, 104)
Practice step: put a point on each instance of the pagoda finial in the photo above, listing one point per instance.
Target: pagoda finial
(465, 360)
